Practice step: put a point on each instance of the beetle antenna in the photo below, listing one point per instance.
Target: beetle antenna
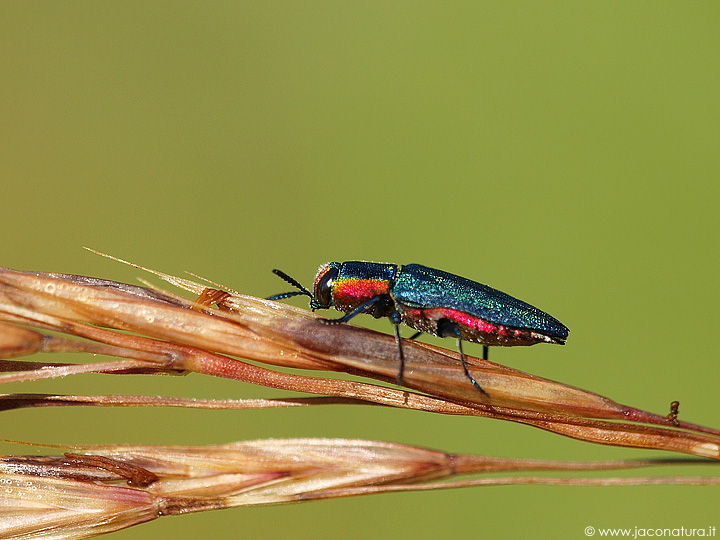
(301, 290)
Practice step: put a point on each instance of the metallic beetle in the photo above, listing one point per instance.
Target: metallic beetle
(430, 301)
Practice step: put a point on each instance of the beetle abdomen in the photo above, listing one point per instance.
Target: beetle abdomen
(473, 328)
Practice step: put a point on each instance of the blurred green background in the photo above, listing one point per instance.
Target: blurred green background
(564, 152)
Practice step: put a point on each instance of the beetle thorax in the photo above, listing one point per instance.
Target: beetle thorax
(349, 285)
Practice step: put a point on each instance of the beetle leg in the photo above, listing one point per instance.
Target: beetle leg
(447, 329)
(395, 320)
(357, 311)
(415, 335)
(486, 351)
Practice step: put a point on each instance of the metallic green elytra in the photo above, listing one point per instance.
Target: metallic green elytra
(430, 301)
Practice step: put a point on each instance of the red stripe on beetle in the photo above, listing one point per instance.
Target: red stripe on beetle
(473, 328)
(356, 291)
(468, 321)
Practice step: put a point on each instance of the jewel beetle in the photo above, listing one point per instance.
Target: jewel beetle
(430, 301)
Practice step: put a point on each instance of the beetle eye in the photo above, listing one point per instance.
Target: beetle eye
(323, 288)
